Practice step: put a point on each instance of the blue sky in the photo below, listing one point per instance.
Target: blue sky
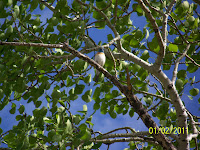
(103, 123)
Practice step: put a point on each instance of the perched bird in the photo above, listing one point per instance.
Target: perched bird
(100, 58)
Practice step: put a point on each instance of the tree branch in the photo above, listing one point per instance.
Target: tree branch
(123, 128)
(158, 96)
(153, 8)
(177, 63)
(136, 134)
(152, 20)
(194, 129)
(192, 60)
(32, 44)
(145, 139)
(178, 104)
(171, 5)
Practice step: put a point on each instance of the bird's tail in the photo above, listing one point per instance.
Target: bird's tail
(96, 77)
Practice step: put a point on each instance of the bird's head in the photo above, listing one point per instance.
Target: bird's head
(101, 50)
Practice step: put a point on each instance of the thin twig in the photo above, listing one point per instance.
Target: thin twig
(194, 129)
(115, 12)
(123, 128)
(153, 8)
(113, 62)
(151, 94)
(177, 63)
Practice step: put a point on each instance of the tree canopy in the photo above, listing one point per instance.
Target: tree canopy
(46, 59)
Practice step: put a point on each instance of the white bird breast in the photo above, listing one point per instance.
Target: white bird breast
(100, 59)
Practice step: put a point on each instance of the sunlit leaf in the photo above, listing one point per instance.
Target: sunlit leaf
(173, 48)
(194, 91)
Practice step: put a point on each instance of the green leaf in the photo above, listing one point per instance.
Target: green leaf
(85, 108)
(191, 20)
(36, 21)
(173, 48)
(145, 31)
(109, 96)
(37, 104)
(86, 98)
(21, 109)
(134, 67)
(112, 114)
(71, 91)
(101, 4)
(97, 15)
(79, 88)
(56, 94)
(145, 55)
(194, 91)
(138, 35)
(61, 109)
(106, 87)
(154, 45)
(192, 68)
(190, 97)
(54, 21)
(96, 106)
(83, 127)
(16, 10)
(9, 137)
(89, 92)
(36, 112)
(33, 5)
(148, 100)
(73, 97)
(179, 84)
(1, 131)
(110, 37)
(104, 108)
(77, 119)
(47, 120)
(9, 30)
(13, 108)
(100, 25)
(115, 93)
(86, 136)
(182, 74)
(68, 129)
(88, 79)
(138, 9)
(96, 145)
(10, 2)
(57, 138)
(185, 5)
(142, 74)
(193, 80)
(42, 7)
(58, 50)
(96, 93)
(76, 43)
(131, 113)
(162, 110)
(58, 118)
(134, 42)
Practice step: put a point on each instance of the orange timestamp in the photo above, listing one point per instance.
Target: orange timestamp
(167, 130)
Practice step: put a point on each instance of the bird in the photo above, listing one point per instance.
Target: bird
(100, 58)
